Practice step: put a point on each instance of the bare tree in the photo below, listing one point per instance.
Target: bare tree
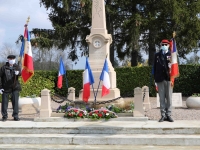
(8, 49)
(45, 59)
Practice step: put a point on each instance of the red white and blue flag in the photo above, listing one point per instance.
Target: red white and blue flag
(106, 79)
(174, 72)
(61, 72)
(26, 57)
(88, 80)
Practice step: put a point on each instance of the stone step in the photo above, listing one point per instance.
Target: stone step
(92, 147)
(100, 127)
(102, 139)
(98, 130)
(61, 119)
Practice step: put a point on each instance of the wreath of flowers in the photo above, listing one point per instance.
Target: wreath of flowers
(101, 113)
(75, 113)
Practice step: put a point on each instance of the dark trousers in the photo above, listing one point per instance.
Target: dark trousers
(4, 104)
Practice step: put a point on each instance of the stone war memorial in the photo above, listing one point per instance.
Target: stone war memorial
(99, 47)
(42, 127)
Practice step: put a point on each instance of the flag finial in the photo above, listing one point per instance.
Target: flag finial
(174, 34)
(28, 19)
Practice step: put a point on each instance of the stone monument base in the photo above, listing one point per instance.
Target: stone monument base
(114, 93)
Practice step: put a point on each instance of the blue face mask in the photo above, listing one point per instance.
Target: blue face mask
(164, 48)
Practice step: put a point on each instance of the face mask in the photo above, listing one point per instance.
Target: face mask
(164, 48)
(11, 62)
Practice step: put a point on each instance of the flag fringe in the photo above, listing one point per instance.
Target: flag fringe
(29, 71)
(27, 79)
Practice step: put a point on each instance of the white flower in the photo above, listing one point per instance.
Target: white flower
(85, 112)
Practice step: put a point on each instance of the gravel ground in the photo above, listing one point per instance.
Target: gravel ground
(182, 113)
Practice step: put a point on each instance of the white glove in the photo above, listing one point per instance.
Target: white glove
(169, 65)
(16, 72)
(1, 91)
(156, 86)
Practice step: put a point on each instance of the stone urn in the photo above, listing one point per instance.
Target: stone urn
(193, 102)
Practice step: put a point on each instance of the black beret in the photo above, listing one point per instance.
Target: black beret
(11, 57)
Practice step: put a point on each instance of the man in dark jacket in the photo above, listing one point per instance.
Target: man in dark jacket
(162, 67)
(9, 85)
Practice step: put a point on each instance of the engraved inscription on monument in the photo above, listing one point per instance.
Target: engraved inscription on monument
(97, 7)
(176, 100)
(98, 54)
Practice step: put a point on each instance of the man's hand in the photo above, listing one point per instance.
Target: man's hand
(172, 82)
(169, 65)
(1, 91)
(156, 87)
(16, 72)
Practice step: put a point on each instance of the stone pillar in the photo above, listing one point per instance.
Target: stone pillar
(45, 109)
(145, 97)
(71, 92)
(138, 103)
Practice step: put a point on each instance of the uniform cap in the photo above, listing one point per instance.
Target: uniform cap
(165, 41)
(11, 57)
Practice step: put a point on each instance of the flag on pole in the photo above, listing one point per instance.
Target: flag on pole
(88, 80)
(174, 71)
(61, 72)
(27, 62)
(106, 79)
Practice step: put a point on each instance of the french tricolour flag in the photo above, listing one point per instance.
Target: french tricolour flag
(106, 79)
(174, 63)
(88, 80)
(61, 72)
(26, 55)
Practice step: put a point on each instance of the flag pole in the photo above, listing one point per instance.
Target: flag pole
(174, 34)
(94, 95)
(27, 21)
(172, 79)
(98, 86)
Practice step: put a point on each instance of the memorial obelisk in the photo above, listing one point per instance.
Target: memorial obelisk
(99, 46)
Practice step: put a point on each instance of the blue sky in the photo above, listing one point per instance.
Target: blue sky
(13, 16)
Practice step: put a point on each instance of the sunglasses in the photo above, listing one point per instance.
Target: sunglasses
(164, 44)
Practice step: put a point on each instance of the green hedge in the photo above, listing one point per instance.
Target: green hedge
(48, 80)
(131, 77)
(189, 80)
(128, 78)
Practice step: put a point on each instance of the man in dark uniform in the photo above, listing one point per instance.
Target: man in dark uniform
(9, 85)
(161, 68)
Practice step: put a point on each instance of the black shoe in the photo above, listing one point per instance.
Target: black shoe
(170, 119)
(162, 119)
(165, 119)
(4, 119)
(16, 119)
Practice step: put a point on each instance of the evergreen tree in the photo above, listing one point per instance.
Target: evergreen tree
(163, 17)
(133, 24)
